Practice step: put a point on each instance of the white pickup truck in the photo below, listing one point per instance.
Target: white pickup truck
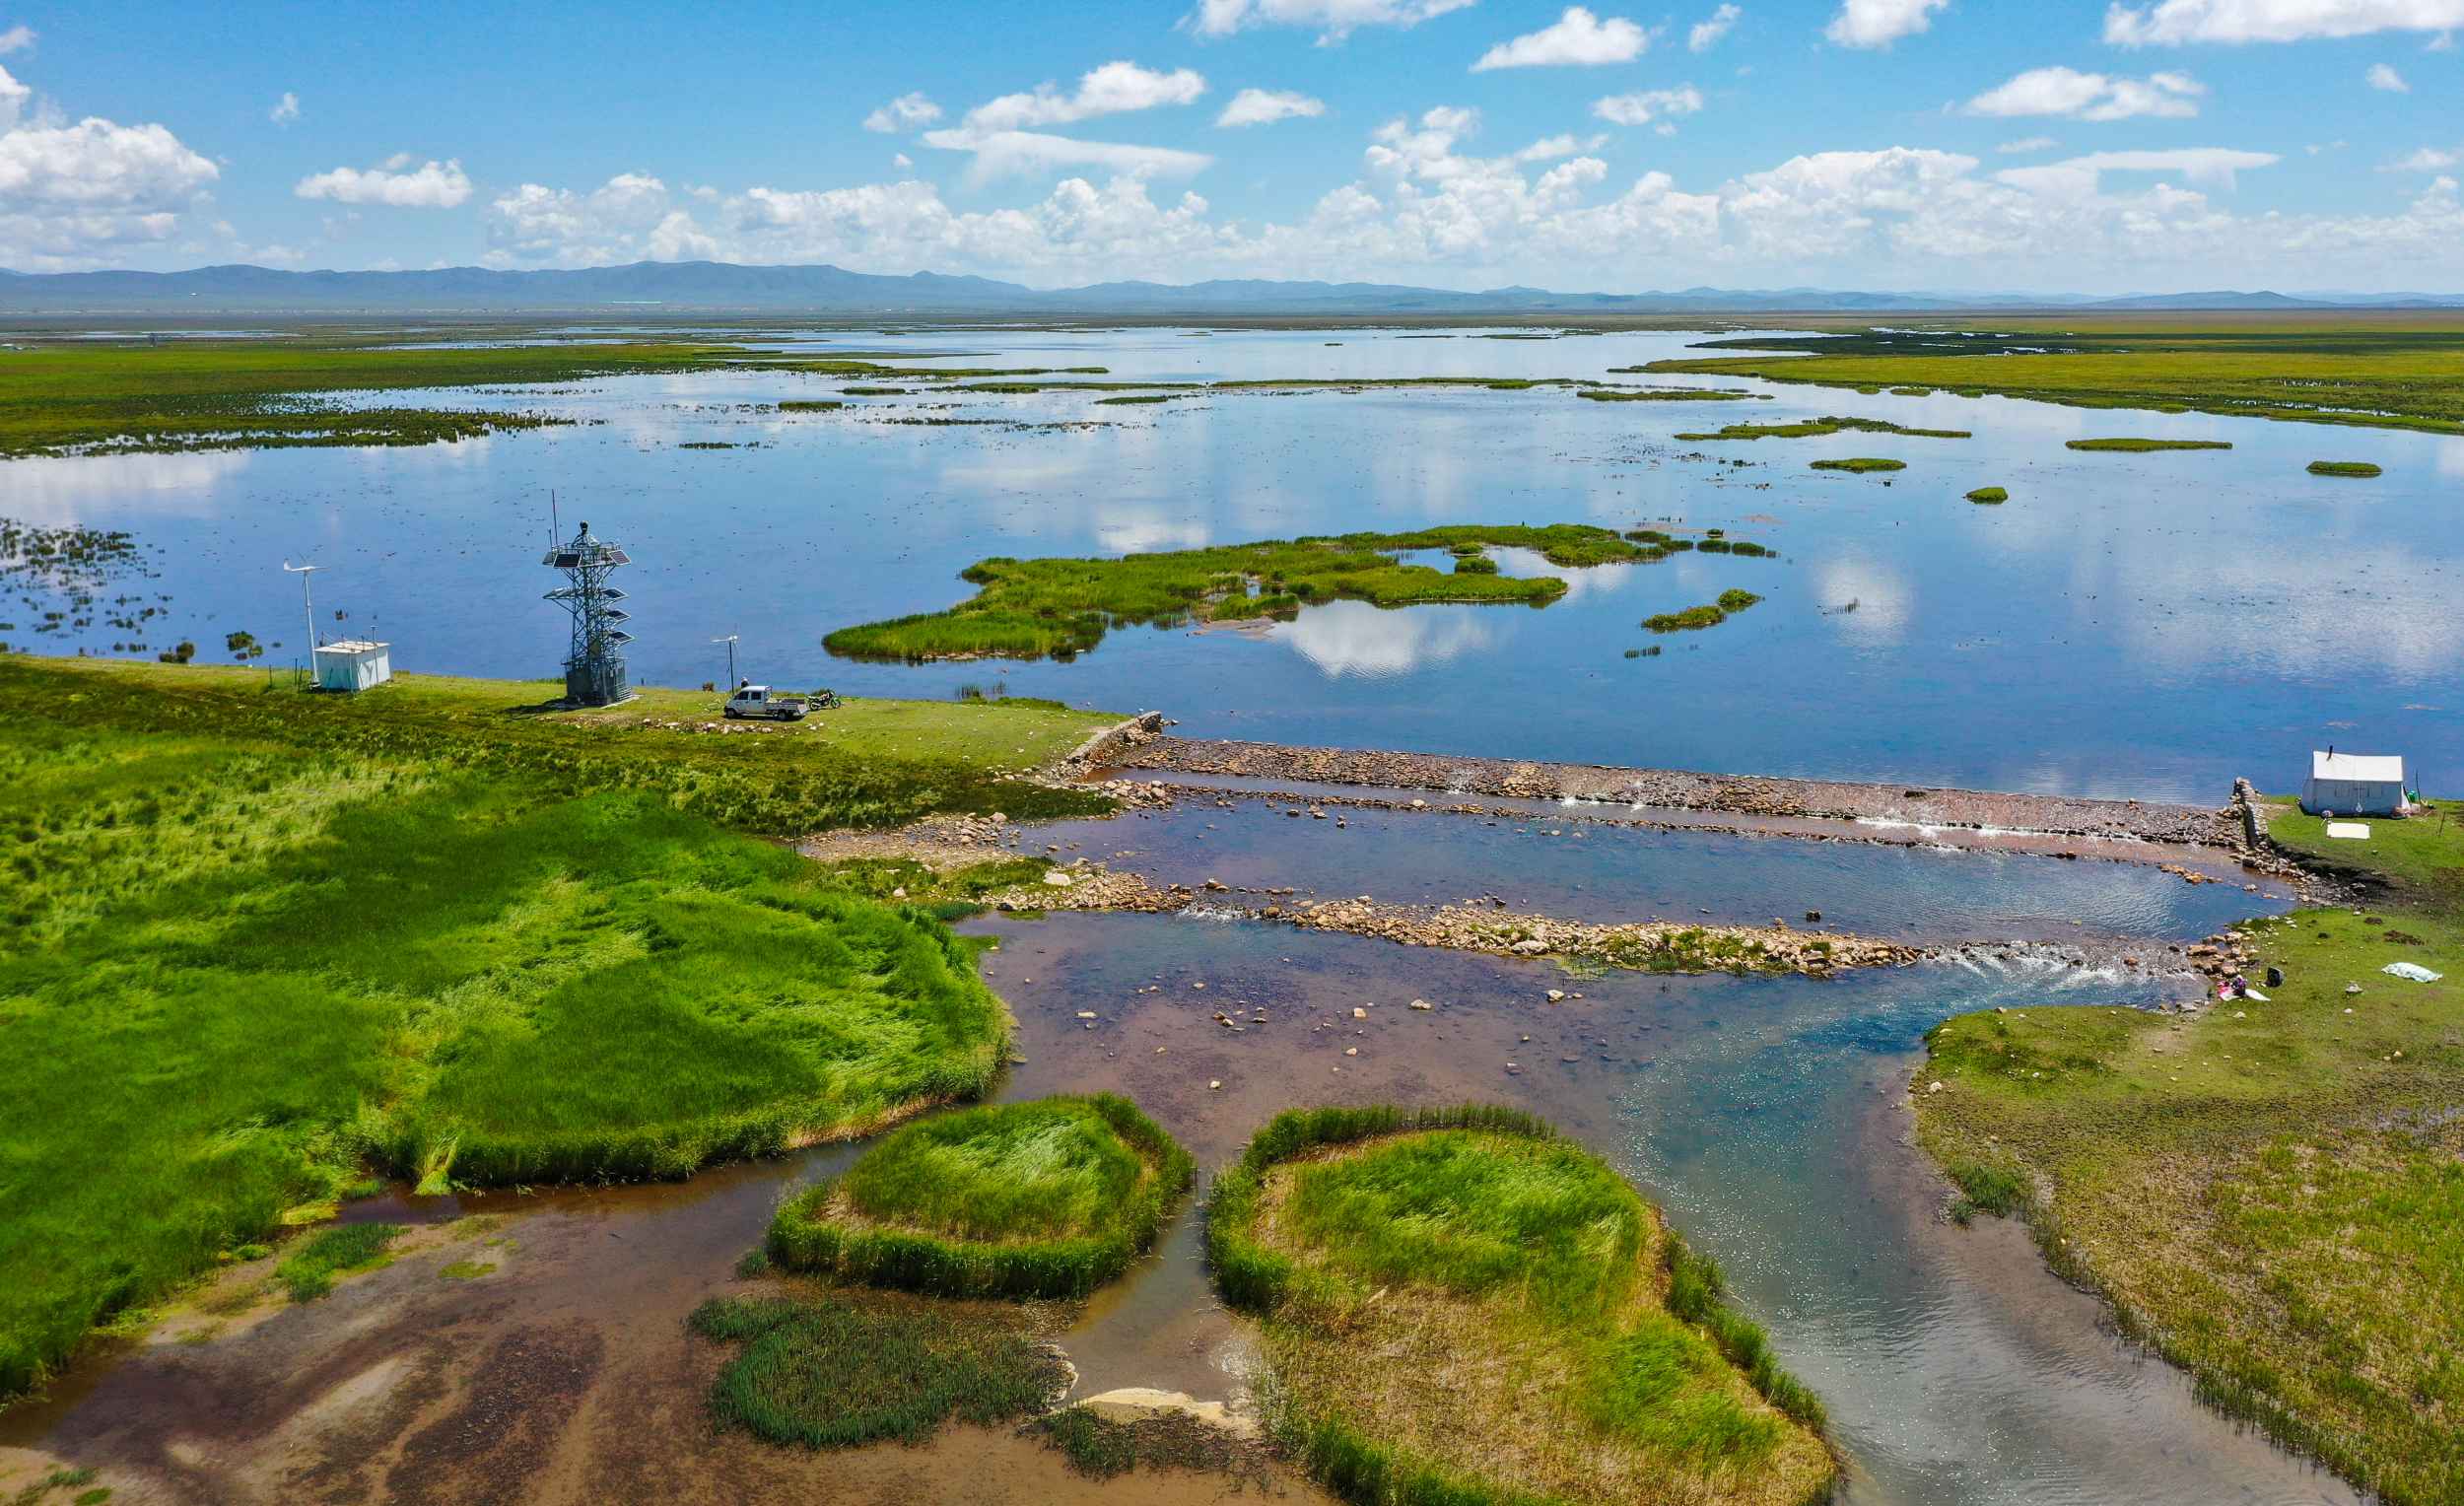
(757, 701)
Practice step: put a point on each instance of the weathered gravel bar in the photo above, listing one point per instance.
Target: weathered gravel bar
(1670, 788)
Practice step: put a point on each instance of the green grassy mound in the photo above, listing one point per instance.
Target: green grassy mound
(264, 942)
(2142, 447)
(831, 1376)
(1050, 1199)
(1062, 607)
(1663, 395)
(1815, 428)
(1989, 496)
(1861, 464)
(2359, 469)
(1458, 1307)
(2272, 1193)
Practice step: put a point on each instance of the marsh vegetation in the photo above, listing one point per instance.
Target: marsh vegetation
(2358, 469)
(2130, 446)
(1456, 1305)
(1860, 464)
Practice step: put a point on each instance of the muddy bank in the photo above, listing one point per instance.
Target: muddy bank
(1677, 790)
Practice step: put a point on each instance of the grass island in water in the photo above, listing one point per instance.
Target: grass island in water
(1456, 1306)
(1060, 607)
(1049, 1199)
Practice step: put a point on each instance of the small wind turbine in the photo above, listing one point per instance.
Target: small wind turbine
(730, 642)
(308, 604)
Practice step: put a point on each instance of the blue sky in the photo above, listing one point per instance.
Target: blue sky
(1941, 144)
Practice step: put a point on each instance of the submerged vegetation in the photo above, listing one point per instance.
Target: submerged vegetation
(1061, 607)
(1860, 464)
(1458, 1306)
(1815, 427)
(263, 942)
(2271, 1193)
(828, 1375)
(2142, 447)
(2387, 374)
(1049, 1199)
(2360, 469)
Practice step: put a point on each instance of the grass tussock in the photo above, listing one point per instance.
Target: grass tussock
(263, 943)
(1860, 464)
(1989, 496)
(1458, 1306)
(2270, 1194)
(1102, 1448)
(2133, 446)
(309, 1271)
(1063, 607)
(829, 1375)
(2358, 469)
(1049, 1199)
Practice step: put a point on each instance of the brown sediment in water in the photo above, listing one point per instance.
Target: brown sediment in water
(1678, 790)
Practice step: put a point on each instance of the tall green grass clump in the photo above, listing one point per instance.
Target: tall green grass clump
(1458, 1306)
(1049, 1199)
(1989, 496)
(1062, 607)
(309, 1271)
(831, 1376)
(2358, 469)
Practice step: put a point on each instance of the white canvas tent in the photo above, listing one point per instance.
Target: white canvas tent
(2354, 785)
(353, 665)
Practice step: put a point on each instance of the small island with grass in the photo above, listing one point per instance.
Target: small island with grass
(1061, 607)
(2130, 446)
(1459, 1306)
(1049, 1199)
(1989, 496)
(1815, 427)
(1860, 464)
(2358, 469)
(1710, 614)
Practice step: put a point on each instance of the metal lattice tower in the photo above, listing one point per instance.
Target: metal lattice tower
(594, 666)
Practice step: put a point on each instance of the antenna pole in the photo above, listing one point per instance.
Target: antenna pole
(308, 606)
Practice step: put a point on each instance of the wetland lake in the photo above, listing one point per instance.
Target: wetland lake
(2134, 625)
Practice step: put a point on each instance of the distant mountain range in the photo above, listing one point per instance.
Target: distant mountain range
(712, 286)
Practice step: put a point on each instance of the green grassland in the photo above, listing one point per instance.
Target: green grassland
(1049, 1199)
(1456, 1306)
(263, 942)
(1062, 607)
(2375, 374)
(2272, 1193)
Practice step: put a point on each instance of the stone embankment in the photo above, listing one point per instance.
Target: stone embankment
(1743, 794)
(1654, 945)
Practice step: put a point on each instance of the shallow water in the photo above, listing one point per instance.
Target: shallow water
(1765, 1115)
(1543, 864)
(2127, 625)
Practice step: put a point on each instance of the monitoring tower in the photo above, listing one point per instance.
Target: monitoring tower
(594, 666)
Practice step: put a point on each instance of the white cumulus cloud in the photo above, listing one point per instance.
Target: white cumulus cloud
(2091, 95)
(71, 195)
(16, 38)
(2427, 160)
(1333, 19)
(2383, 77)
(1265, 106)
(910, 111)
(397, 184)
(286, 109)
(1579, 39)
(1705, 33)
(1116, 88)
(1028, 154)
(1879, 23)
(2027, 144)
(1649, 104)
(2175, 22)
